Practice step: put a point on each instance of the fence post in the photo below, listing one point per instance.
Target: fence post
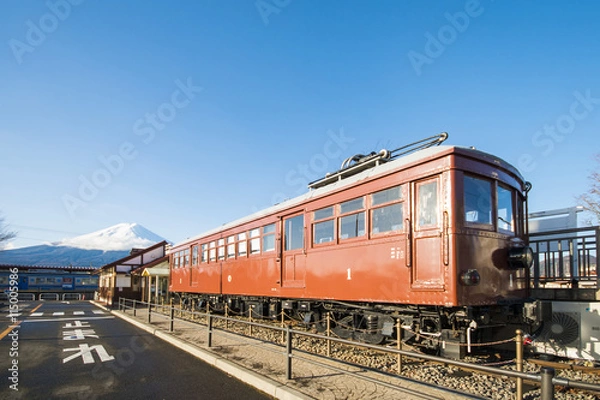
(288, 353)
(149, 311)
(171, 316)
(547, 385)
(134, 310)
(282, 324)
(399, 345)
(328, 333)
(226, 316)
(210, 327)
(250, 318)
(519, 362)
(119, 306)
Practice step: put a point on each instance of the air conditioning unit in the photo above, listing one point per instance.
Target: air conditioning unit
(574, 331)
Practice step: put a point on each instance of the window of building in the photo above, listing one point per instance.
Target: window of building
(505, 209)
(268, 238)
(478, 200)
(231, 246)
(255, 241)
(195, 255)
(294, 233)
(242, 244)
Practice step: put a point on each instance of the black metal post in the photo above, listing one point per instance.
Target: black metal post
(171, 317)
(288, 352)
(547, 385)
(134, 311)
(149, 311)
(210, 327)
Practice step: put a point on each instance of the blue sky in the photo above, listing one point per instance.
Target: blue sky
(187, 115)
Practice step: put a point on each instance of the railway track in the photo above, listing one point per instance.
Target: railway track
(461, 380)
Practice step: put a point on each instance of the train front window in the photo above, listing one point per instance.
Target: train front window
(478, 201)
(505, 209)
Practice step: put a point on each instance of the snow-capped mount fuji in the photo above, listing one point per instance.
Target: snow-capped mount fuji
(124, 236)
(93, 249)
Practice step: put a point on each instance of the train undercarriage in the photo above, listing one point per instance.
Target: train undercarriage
(433, 329)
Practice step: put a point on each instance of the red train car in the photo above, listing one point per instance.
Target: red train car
(436, 238)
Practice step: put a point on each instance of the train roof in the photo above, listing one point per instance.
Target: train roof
(385, 168)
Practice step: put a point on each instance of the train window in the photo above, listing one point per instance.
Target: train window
(212, 251)
(242, 244)
(387, 218)
(231, 247)
(323, 213)
(221, 249)
(268, 238)
(352, 225)
(505, 209)
(323, 232)
(176, 260)
(255, 241)
(352, 205)
(294, 233)
(386, 196)
(187, 257)
(195, 255)
(204, 257)
(478, 200)
(427, 206)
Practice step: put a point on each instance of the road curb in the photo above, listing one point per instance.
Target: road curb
(260, 382)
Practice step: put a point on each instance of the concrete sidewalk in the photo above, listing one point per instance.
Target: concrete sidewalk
(263, 365)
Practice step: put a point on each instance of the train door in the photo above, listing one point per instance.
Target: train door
(426, 258)
(293, 256)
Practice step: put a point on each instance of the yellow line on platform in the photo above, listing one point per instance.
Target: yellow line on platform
(39, 305)
(10, 328)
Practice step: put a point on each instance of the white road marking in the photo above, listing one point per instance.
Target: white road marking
(98, 312)
(85, 352)
(66, 319)
(36, 314)
(78, 312)
(58, 313)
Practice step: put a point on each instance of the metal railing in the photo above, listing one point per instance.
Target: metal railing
(546, 378)
(566, 257)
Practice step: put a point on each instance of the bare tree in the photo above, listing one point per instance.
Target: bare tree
(5, 234)
(591, 199)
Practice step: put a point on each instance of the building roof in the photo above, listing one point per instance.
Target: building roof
(133, 255)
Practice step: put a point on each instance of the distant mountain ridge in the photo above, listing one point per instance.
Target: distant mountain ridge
(93, 249)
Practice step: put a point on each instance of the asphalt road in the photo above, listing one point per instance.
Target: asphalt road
(62, 350)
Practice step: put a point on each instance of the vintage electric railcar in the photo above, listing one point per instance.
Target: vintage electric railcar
(436, 238)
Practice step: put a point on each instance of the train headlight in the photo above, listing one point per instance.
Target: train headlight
(520, 257)
(470, 278)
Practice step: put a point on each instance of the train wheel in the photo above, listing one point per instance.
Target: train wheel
(344, 328)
